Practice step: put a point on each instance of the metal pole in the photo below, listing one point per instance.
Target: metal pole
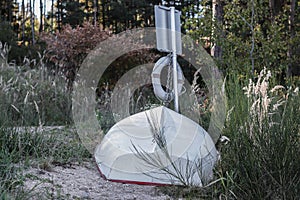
(173, 30)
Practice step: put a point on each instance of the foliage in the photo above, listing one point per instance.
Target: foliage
(43, 148)
(252, 35)
(264, 131)
(17, 52)
(260, 160)
(68, 48)
(140, 99)
(29, 99)
(246, 26)
(74, 13)
(197, 23)
(30, 96)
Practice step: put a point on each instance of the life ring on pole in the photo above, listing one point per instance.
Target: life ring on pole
(158, 89)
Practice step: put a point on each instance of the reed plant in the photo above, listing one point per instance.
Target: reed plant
(260, 156)
(30, 98)
(264, 128)
(31, 94)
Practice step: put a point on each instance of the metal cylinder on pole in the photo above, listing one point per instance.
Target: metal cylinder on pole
(174, 59)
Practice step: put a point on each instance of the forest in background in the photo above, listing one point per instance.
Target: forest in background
(242, 35)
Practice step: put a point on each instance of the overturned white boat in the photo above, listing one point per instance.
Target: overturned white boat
(158, 146)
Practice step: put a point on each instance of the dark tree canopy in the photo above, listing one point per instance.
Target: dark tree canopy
(255, 33)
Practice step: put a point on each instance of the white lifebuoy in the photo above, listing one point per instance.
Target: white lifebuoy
(158, 89)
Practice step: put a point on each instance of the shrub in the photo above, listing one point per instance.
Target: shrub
(68, 48)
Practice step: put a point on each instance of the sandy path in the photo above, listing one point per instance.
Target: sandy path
(83, 182)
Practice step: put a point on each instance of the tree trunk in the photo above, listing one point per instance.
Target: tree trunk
(9, 10)
(52, 15)
(272, 9)
(290, 53)
(87, 10)
(59, 14)
(44, 11)
(23, 20)
(95, 12)
(103, 13)
(31, 8)
(217, 17)
(41, 16)
(292, 18)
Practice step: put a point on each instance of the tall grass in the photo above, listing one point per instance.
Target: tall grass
(40, 148)
(264, 127)
(30, 97)
(261, 160)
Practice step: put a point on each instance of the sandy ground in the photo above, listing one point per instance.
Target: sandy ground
(83, 182)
